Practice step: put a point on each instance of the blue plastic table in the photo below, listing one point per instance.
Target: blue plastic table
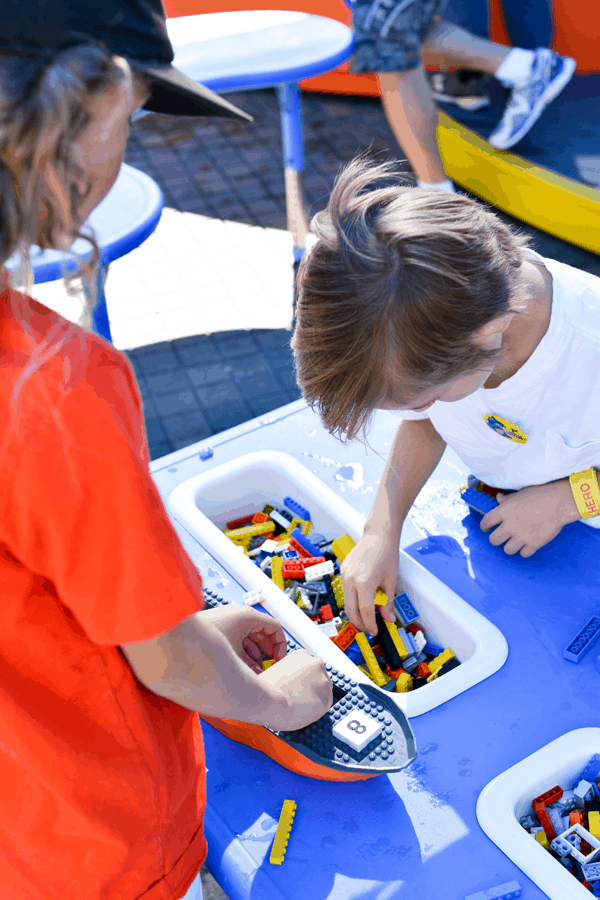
(247, 50)
(121, 222)
(413, 835)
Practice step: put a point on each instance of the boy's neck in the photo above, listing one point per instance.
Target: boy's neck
(526, 329)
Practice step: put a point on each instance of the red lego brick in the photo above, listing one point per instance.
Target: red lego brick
(326, 614)
(302, 552)
(296, 567)
(423, 670)
(545, 820)
(395, 673)
(345, 636)
(413, 628)
(239, 523)
(377, 650)
(260, 518)
(549, 797)
(578, 817)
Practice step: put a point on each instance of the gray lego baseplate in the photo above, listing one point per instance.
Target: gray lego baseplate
(392, 747)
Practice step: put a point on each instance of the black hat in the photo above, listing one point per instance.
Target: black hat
(135, 29)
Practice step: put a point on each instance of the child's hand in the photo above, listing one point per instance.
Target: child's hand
(530, 518)
(303, 680)
(370, 566)
(253, 635)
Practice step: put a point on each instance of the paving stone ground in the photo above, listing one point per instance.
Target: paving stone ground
(196, 386)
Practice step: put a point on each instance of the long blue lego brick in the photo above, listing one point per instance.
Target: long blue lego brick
(405, 609)
(305, 542)
(297, 508)
(500, 892)
(584, 641)
(591, 772)
(477, 500)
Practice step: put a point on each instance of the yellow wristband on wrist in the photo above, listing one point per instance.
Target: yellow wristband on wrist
(586, 493)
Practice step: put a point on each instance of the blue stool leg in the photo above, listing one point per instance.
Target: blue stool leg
(100, 313)
(293, 155)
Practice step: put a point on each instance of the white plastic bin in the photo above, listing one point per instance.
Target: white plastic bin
(508, 797)
(204, 503)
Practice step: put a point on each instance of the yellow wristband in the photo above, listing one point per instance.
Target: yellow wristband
(586, 492)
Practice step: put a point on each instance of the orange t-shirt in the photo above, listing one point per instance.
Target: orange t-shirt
(102, 784)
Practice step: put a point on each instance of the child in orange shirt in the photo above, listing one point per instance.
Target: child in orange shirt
(106, 653)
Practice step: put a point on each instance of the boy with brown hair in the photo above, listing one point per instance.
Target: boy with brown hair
(425, 302)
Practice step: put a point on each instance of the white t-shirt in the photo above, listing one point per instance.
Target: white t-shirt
(554, 398)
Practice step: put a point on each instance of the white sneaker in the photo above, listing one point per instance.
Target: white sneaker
(550, 73)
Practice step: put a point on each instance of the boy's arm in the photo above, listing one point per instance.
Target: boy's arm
(373, 564)
(210, 663)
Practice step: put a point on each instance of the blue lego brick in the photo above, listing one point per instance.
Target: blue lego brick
(500, 892)
(290, 554)
(477, 500)
(405, 609)
(354, 653)
(300, 511)
(432, 650)
(592, 770)
(584, 641)
(205, 453)
(306, 543)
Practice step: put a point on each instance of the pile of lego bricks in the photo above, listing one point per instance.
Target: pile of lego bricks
(566, 822)
(307, 569)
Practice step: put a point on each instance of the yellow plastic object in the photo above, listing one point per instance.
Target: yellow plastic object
(306, 527)
(373, 666)
(440, 660)
(404, 683)
(398, 642)
(594, 823)
(543, 840)
(365, 671)
(282, 835)
(247, 532)
(267, 663)
(342, 546)
(551, 202)
(338, 591)
(380, 598)
(276, 572)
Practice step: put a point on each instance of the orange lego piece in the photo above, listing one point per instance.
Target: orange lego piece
(345, 636)
(259, 518)
(423, 670)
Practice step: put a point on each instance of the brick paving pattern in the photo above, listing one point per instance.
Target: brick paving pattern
(195, 387)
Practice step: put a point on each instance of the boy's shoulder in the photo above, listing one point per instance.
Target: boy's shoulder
(576, 295)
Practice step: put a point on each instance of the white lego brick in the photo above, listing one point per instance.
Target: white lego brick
(563, 846)
(328, 628)
(315, 573)
(253, 597)
(279, 548)
(357, 730)
(420, 640)
(281, 520)
(584, 791)
(265, 563)
(269, 546)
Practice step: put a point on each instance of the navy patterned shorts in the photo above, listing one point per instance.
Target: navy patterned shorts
(388, 33)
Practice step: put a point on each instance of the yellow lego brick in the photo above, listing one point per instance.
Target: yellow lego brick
(248, 531)
(276, 573)
(380, 598)
(432, 677)
(594, 823)
(404, 683)
(373, 666)
(398, 642)
(543, 840)
(440, 660)
(338, 590)
(300, 602)
(282, 835)
(295, 523)
(342, 546)
(267, 508)
(306, 527)
(365, 671)
(267, 663)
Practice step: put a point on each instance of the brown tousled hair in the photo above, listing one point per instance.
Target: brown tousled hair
(392, 292)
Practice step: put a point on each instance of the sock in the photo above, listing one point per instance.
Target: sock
(516, 67)
(441, 185)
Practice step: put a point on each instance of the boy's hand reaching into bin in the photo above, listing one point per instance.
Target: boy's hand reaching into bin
(370, 566)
